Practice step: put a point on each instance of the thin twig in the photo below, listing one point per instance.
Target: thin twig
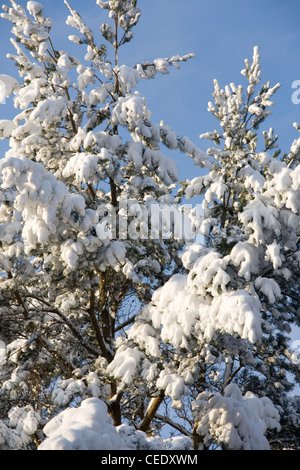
(67, 322)
(174, 425)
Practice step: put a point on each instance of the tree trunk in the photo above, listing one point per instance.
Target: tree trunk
(150, 413)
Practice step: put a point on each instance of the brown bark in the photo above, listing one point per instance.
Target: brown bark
(150, 413)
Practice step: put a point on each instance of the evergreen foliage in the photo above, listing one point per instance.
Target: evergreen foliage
(116, 322)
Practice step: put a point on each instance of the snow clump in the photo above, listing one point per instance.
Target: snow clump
(88, 427)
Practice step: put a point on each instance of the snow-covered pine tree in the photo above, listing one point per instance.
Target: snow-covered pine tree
(82, 189)
(216, 340)
(77, 193)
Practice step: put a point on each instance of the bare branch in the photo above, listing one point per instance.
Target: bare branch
(174, 425)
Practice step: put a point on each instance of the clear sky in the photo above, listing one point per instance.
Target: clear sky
(220, 33)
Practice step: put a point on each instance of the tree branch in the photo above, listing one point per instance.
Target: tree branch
(174, 425)
(151, 412)
(19, 298)
(50, 309)
(125, 323)
(95, 324)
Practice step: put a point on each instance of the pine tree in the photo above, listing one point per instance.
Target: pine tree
(217, 337)
(111, 311)
(83, 188)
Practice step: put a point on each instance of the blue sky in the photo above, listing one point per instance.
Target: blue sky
(221, 34)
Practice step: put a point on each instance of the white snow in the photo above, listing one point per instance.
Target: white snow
(100, 94)
(11, 85)
(70, 251)
(50, 109)
(168, 136)
(82, 166)
(44, 202)
(16, 433)
(30, 93)
(125, 364)
(88, 427)
(181, 310)
(129, 110)
(85, 77)
(173, 385)
(161, 65)
(273, 254)
(257, 215)
(245, 256)
(269, 288)
(128, 77)
(6, 128)
(34, 8)
(135, 154)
